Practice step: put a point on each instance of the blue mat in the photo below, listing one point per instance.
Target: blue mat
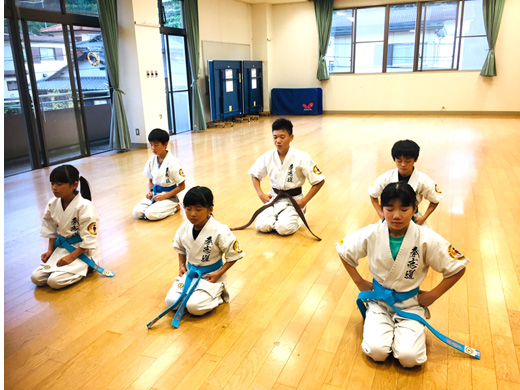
(296, 101)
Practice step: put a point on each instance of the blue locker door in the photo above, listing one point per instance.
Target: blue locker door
(225, 89)
(253, 87)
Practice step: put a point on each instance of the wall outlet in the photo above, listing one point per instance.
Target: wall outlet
(136, 131)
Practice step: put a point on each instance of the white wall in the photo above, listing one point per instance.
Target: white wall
(262, 38)
(294, 64)
(222, 21)
(139, 51)
(285, 38)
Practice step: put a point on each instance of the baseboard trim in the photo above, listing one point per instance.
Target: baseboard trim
(139, 146)
(479, 113)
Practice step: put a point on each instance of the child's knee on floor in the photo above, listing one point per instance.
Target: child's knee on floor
(378, 353)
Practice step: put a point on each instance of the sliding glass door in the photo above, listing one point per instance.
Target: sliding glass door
(177, 87)
(56, 90)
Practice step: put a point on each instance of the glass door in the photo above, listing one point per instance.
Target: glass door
(17, 156)
(176, 83)
(53, 90)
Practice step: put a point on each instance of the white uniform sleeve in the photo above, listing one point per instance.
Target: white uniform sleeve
(443, 257)
(379, 185)
(175, 171)
(49, 227)
(177, 244)
(429, 190)
(259, 168)
(311, 171)
(229, 246)
(354, 247)
(88, 226)
(148, 168)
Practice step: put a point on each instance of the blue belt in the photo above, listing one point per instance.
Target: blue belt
(193, 272)
(390, 297)
(158, 189)
(67, 244)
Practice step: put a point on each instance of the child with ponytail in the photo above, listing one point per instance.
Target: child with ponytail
(69, 221)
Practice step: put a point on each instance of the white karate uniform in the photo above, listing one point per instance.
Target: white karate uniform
(297, 166)
(384, 331)
(422, 184)
(214, 240)
(168, 174)
(79, 218)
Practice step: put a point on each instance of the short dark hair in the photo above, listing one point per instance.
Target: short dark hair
(283, 124)
(398, 191)
(198, 196)
(159, 135)
(406, 148)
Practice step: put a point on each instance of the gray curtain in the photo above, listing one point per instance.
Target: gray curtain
(492, 17)
(119, 133)
(323, 10)
(192, 29)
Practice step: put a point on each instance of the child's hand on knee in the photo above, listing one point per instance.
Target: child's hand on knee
(46, 255)
(213, 277)
(65, 260)
(419, 220)
(265, 198)
(426, 298)
(160, 197)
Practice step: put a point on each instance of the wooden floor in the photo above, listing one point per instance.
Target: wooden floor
(292, 322)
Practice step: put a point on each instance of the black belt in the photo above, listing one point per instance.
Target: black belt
(279, 195)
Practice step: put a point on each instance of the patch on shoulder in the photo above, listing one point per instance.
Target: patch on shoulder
(92, 228)
(341, 242)
(455, 254)
(181, 173)
(236, 247)
(437, 189)
(316, 170)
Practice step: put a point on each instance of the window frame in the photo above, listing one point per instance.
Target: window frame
(419, 41)
(17, 18)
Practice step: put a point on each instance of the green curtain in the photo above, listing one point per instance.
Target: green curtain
(192, 29)
(323, 10)
(119, 132)
(492, 16)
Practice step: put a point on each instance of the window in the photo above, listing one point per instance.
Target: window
(339, 55)
(171, 13)
(433, 35)
(48, 5)
(12, 85)
(176, 65)
(437, 37)
(83, 7)
(401, 38)
(473, 40)
(56, 86)
(47, 54)
(370, 35)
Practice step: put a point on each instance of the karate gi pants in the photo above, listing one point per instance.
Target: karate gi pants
(205, 298)
(385, 332)
(157, 210)
(281, 217)
(55, 280)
